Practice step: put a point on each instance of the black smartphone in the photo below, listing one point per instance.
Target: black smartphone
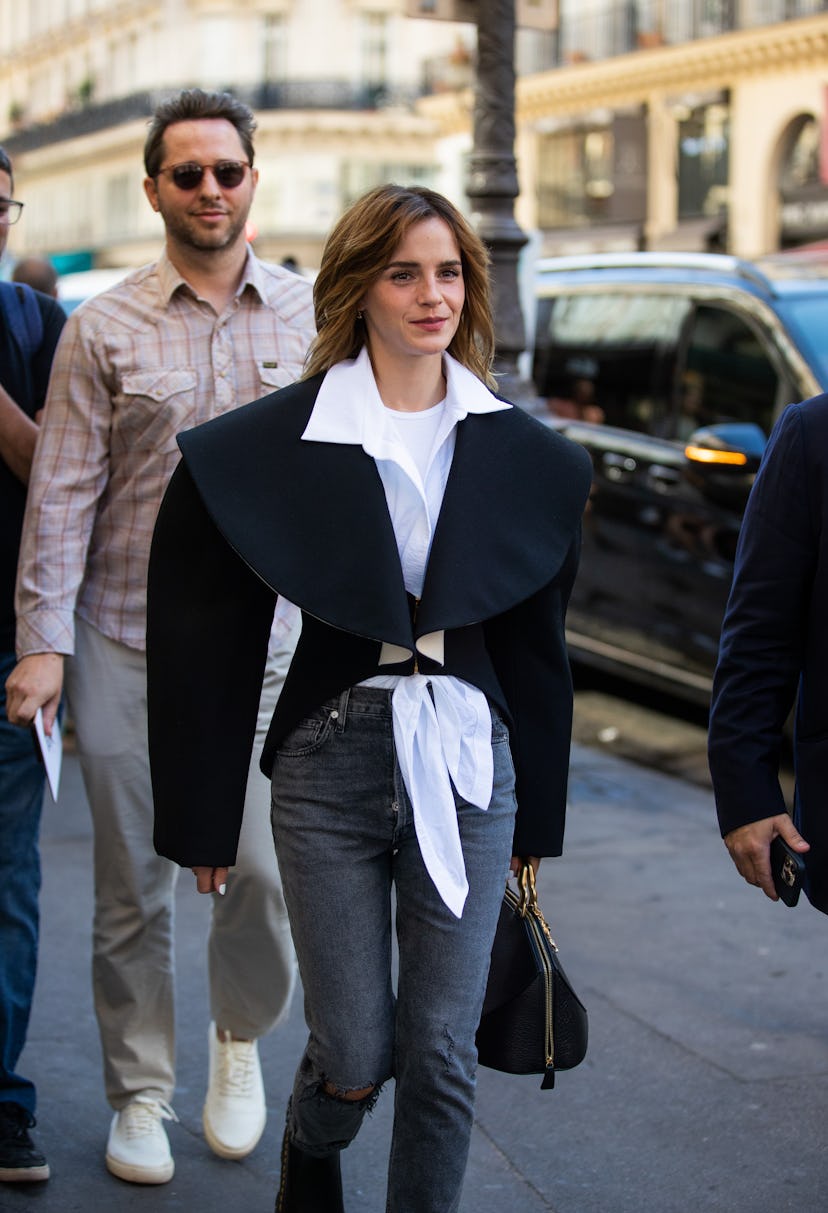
(787, 869)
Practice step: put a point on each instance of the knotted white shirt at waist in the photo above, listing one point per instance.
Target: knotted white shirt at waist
(443, 736)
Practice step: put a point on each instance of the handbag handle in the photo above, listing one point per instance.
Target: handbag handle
(528, 900)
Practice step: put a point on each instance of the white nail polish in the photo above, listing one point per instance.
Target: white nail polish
(222, 889)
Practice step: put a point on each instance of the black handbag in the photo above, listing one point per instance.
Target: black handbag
(533, 1022)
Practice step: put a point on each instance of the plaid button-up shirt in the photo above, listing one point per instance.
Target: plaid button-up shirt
(135, 366)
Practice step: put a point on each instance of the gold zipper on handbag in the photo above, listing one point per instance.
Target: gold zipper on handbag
(527, 906)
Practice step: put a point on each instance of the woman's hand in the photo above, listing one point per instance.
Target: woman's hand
(519, 860)
(211, 880)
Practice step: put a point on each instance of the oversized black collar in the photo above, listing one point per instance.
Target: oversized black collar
(311, 519)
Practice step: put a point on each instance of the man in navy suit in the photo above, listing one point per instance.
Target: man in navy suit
(774, 652)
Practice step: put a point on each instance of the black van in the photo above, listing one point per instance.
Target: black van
(671, 370)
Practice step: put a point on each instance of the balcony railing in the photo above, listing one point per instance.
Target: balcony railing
(293, 95)
(600, 31)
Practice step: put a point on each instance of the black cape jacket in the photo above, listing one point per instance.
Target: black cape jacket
(252, 511)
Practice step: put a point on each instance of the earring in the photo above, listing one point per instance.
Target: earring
(359, 314)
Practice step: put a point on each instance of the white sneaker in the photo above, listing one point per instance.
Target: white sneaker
(234, 1110)
(137, 1149)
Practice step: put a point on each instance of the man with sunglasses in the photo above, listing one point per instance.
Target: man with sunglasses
(30, 325)
(206, 328)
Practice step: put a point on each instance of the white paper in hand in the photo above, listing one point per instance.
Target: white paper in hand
(51, 751)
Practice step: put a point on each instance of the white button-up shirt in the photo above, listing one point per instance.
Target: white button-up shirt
(442, 725)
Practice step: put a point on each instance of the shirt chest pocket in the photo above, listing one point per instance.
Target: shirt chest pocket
(273, 376)
(154, 406)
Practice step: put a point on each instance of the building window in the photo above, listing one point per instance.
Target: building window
(803, 175)
(119, 211)
(373, 50)
(219, 45)
(360, 176)
(596, 175)
(599, 29)
(575, 177)
(801, 163)
(275, 48)
(703, 160)
(594, 29)
(767, 12)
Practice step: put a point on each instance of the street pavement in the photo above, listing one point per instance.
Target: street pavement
(705, 1087)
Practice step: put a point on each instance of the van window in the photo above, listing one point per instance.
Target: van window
(807, 318)
(727, 376)
(625, 346)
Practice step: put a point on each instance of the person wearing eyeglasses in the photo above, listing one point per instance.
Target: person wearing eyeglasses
(205, 328)
(30, 325)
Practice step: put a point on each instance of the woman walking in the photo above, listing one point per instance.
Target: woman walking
(429, 533)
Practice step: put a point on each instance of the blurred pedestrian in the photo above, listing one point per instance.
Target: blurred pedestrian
(30, 325)
(39, 273)
(579, 404)
(203, 329)
(429, 531)
(774, 653)
(577, 401)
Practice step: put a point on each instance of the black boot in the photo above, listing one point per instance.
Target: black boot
(309, 1184)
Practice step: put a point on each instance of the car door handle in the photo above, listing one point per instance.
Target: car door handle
(663, 477)
(617, 467)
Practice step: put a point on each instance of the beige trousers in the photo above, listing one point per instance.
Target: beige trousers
(252, 968)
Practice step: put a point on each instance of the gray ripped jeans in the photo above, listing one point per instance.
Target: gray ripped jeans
(345, 837)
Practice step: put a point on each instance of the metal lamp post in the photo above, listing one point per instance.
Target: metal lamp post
(492, 184)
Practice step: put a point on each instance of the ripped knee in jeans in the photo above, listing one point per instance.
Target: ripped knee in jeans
(356, 1095)
(327, 1117)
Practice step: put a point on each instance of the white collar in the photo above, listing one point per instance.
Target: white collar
(348, 408)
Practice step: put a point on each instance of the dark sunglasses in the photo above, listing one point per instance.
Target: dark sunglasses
(228, 173)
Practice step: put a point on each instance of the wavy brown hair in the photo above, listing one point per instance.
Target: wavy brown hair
(362, 244)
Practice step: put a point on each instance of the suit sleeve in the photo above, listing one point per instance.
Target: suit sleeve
(53, 318)
(763, 638)
(208, 622)
(528, 648)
